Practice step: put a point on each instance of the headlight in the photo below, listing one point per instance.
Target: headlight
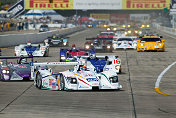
(7, 72)
(114, 45)
(143, 25)
(136, 32)
(117, 67)
(148, 25)
(65, 43)
(140, 32)
(142, 44)
(108, 46)
(124, 26)
(87, 46)
(63, 58)
(1, 63)
(126, 33)
(160, 44)
(108, 29)
(105, 25)
(129, 25)
(73, 80)
(91, 44)
(129, 32)
(17, 52)
(3, 71)
(115, 29)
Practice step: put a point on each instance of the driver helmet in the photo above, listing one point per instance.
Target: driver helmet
(73, 47)
(83, 68)
(92, 56)
(29, 43)
(54, 36)
(23, 61)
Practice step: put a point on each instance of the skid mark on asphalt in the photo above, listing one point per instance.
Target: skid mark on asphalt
(131, 89)
(157, 84)
(15, 99)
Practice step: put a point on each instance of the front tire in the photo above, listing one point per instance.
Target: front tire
(62, 83)
(38, 81)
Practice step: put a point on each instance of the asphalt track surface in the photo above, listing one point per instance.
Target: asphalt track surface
(137, 98)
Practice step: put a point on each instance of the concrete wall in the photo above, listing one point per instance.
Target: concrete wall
(16, 39)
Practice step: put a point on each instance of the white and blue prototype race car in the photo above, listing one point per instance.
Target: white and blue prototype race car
(32, 49)
(124, 43)
(88, 74)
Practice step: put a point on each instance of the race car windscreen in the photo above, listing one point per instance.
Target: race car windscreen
(125, 39)
(150, 39)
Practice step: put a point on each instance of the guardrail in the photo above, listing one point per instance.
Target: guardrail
(16, 39)
(164, 29)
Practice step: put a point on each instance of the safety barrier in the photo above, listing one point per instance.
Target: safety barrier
(164, 29)
(16, 39)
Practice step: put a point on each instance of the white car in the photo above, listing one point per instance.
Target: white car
(84, 76)
(124, 43)
(32, 49)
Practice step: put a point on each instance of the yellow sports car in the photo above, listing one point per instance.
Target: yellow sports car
(150, 43)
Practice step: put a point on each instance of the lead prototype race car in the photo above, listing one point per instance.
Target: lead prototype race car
(15, 71)
(87, 74)
(32, 49)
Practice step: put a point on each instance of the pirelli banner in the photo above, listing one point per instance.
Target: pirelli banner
(98, 4)
(48, 4)
(145, 4)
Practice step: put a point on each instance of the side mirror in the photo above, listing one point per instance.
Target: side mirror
(161, 36)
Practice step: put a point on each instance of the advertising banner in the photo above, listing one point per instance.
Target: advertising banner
(100, 16)
(97, 4)
(17, 9)
(48, 4)
(145, 4)
(119, 18)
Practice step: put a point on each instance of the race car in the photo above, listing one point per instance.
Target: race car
(151, 43)
(15, 71)
(106, 35)
(124, 43)
(32, 49)
(133, 32)
(56, 40)
(82, 77)
(103, 44)
(70, 55)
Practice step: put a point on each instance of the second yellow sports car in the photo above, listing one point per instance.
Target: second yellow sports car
(151, 43)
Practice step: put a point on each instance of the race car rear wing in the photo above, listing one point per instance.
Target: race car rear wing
(99, 38)
(55, 63)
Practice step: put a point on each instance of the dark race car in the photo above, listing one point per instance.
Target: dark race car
(57, 40)
(106, 35)
(103, 44)
(70, 55)
(15, 71)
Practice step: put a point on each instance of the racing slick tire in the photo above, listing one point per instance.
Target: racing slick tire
(62, 83)
(38, 81)
(46, 53)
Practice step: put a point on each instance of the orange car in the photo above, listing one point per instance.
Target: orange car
(151, 43)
